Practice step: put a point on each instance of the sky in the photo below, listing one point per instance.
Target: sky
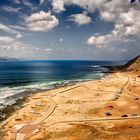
(69, 29)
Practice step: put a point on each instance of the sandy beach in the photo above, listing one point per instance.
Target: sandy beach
(69, 69)
(106, 109)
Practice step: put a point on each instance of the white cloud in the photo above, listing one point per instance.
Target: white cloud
(124, 15)
(58, 5)
(61, 40)
(80, 19)
(126, 25)
(16, 30)
(9, 43)
(41, 21)
(6, 28)
(10, 9)
(27, 3)
(5, 40)
(42, 1)
(90, 5)
(48, 50)
(24, 2)
(17, 27)
(107, 16)
(98, 40)
(126, 19)
(18, 35)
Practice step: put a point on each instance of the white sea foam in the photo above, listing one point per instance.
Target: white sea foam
(9, 95)
(95, 66)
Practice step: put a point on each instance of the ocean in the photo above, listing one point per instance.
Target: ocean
(20, 78)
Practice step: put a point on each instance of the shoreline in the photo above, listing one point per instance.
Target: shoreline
(84, 101)
(6, 111)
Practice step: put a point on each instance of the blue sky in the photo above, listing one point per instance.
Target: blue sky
(69, 29)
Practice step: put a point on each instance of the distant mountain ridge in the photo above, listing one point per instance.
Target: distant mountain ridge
(133, 64)
(7, 58)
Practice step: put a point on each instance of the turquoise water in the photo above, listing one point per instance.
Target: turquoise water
(18, 78)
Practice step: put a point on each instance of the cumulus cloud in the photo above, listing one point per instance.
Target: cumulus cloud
(5, 40)
(41, 21)
(58, 5)
(23, 46)
(80, 19)
(124, 15)
(16, 30)
(10, 43)
(6, 28)
(90, 5)
(99, 40)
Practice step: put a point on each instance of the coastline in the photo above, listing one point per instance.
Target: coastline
(86, 101)
(9, 109)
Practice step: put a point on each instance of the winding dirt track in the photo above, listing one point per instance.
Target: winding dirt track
(129, 92)
(102, 119)
(47, 114)
(53, 105)
(21, 136)
(97, 120)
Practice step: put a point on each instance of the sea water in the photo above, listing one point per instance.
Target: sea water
(20, 78)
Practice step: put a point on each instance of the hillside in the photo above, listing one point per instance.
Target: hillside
(133, 64)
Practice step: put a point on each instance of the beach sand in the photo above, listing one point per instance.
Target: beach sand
(106, 109)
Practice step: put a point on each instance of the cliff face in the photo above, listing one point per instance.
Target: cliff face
(132, 65)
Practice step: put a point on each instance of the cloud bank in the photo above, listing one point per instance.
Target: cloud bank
(124, 15)
(41, 21)
(80, 19)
